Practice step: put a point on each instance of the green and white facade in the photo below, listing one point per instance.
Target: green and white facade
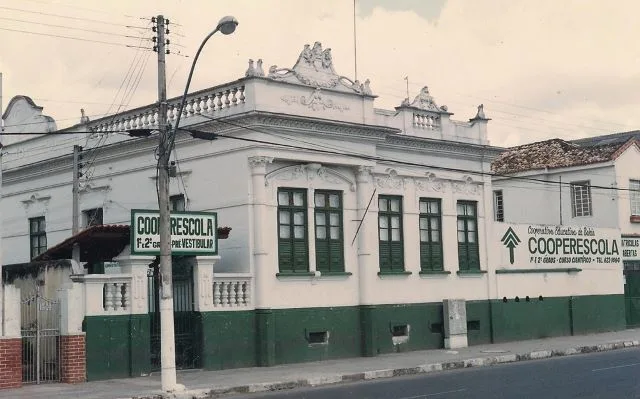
(347, 236)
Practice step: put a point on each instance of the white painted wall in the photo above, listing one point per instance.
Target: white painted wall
(626, 168)
(528, 201)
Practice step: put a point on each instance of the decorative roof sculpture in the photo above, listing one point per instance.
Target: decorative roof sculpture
(425, 102)
(314, 67)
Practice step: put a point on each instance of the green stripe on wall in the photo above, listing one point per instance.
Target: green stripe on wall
(118, 346)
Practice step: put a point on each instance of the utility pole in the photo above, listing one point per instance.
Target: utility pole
(167, 340)
(75, 213)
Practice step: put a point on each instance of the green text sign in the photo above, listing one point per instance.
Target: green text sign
(192, 233)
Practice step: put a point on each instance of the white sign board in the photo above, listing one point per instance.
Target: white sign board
(192, 233)
(630, 248)
(549, 246)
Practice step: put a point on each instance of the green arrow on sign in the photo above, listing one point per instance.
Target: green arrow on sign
(510, 240)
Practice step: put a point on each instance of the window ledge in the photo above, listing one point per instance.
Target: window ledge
(634, 219)
(528, 271)
(471, 273)
(296, 274)
(393, 273)
(336, 274)
(434, 272)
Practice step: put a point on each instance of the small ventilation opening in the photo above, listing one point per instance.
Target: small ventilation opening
(318, 337)
(400, 330)
(473, 325)
(437, 328)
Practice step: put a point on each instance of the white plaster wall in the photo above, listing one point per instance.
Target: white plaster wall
(590, 281)
(124, 179)
(627, 167)
(285, 292)
(534, 202)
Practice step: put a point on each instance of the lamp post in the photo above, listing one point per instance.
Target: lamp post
(226, 26)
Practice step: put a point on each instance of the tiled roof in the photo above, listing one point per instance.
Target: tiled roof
(97, 243)
(615, 138)
(554, 153)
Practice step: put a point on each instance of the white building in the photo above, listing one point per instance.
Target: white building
(350, 224)
(588, 182)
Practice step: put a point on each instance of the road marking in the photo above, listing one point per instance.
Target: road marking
(617, 367)
(427, 395)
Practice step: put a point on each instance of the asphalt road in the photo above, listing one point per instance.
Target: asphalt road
(614, 374)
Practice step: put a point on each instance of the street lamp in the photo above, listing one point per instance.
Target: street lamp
(227, 25)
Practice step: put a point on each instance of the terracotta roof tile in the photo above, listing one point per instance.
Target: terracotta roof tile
(554, 153)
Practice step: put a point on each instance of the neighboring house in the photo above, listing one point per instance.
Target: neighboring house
(588, 182)
(352, 224)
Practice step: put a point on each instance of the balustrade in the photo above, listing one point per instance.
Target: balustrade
(231, 292)
(203, 103)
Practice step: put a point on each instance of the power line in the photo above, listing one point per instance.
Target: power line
(76, 7)
(69, 17)
(382, 159)
(74, 38)
(68, 27)
(371, 157)
(417, 85)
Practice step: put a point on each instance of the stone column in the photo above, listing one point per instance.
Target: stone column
(73, 358)
(137, 266)
(203, 282)
(367, 262)
(264, 315)
(10, 341)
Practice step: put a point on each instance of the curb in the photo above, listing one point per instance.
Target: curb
(389, 373)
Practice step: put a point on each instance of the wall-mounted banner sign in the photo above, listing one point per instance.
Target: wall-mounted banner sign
(548, 246)
(192, 233)
(630, 248)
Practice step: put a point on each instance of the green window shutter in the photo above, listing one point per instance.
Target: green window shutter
(463, 262)
(430, 234)
(337, 255)
(437, 257)
(293, 248)
(467, 226)
(285, 258)
(300, 256)
(390, 233)
(328, 231)
(323, 260)
(385, 255)
(397, 256)
(474, 256)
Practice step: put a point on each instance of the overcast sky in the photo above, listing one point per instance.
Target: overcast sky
(543, 68)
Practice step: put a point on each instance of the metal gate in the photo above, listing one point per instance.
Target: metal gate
(40, 330)
(184, 317)
(632, 295)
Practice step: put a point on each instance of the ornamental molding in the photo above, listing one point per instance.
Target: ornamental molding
(309, 173)
(466, 186)
(390, 179)
(314, 67)
(315, 102)
(36, 201)
(302, 124)
(90, 188)
(431, 183)
(444, 146)
(259, 161)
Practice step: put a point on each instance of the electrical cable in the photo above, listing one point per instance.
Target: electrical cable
(76, 38)
(68, 27)
(67, 17)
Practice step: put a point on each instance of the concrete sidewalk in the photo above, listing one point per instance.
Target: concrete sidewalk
(210, 383)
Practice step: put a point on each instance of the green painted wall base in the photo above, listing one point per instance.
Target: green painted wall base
(118, 346)
(228, 339)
